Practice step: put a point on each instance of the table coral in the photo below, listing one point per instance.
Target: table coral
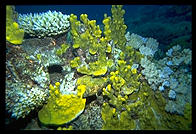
(44, 24)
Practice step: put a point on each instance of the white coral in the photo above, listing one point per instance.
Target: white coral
(44, 24)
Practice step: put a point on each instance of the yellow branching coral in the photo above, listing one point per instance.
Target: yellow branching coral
(60, 108)
(118, 28)
(75, 62)
(14, 34)
(113, 120)
(87, 36)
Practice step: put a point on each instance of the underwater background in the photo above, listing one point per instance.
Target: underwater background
(131, 69)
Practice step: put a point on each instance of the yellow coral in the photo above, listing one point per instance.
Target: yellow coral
(14, 34)
(134, 71)
(76, 45)
(109, 87)
(75, 62)
(101, 71)
(92, 84)
(64, 128)
(81, 89)
(61, 109)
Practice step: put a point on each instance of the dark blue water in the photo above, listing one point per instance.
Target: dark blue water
(169, 24)
(95, 12)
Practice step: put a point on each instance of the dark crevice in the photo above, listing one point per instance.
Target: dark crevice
(55, 69)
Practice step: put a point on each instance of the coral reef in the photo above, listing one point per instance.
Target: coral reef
(44, 24)
(90, 119)
(103, 79)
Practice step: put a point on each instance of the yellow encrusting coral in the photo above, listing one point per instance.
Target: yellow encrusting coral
(93, 85)
(60, 108)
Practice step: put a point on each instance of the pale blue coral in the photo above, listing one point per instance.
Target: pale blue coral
(172, 94)
(169, 63)
(146, 46)
(44, 24)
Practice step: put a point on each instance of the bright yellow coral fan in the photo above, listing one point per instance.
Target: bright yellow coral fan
(14, 34)
(61, 109)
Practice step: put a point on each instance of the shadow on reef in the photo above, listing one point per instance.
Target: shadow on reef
(21, 123)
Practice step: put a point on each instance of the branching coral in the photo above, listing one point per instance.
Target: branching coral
(44, 24)
(13, 32)
(87, 37)
(123, 83)
(118, 28)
